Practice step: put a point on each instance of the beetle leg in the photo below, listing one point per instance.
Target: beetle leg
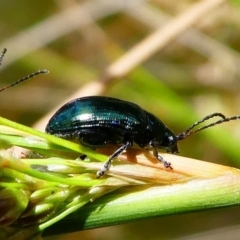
(82, 157)
(107, 164)
(159, 158)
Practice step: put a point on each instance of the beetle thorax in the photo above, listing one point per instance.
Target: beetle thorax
(160, 135)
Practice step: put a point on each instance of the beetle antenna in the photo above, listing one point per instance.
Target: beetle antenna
(2, 55)
(25, 78)
(22, 79)
(189, 131)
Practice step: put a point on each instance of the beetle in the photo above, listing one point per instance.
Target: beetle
(98, 121)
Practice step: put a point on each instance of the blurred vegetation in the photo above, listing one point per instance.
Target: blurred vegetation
(183, 82)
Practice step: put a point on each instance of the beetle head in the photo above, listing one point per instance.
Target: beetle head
(168, 142)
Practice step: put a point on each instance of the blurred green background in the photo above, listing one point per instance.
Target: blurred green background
(194, 75)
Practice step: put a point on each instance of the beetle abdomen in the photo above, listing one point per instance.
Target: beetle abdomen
(104, 118)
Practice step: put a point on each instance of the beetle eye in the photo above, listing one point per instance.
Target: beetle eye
(171, 140)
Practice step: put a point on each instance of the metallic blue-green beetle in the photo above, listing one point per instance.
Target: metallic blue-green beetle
(98, 121)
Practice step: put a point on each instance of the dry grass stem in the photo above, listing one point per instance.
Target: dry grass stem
(160, 38)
